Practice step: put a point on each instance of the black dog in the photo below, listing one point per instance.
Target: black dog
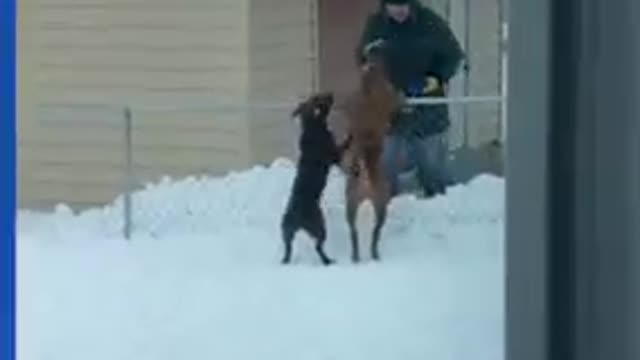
(318, 152)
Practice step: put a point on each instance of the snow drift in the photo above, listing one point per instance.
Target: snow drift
(201, 279)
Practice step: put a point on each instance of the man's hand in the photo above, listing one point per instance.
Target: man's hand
(377, 43)
(431, 84)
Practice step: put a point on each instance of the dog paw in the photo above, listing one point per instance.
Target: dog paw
(328, 262)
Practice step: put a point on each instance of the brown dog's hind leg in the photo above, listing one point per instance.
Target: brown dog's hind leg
(316, 228)
(380, 204)
(353, 200)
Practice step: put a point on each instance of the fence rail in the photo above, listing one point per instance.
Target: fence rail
(272, 105)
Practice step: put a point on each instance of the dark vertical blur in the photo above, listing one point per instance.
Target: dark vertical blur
(573, 169)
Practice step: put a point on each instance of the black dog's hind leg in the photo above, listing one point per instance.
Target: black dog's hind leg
(315, 226)
(288, 232)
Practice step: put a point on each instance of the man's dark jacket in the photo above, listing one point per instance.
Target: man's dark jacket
(421, 46)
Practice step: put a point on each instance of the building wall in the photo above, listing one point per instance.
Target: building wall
(90, 58)
(140, 53)
(282, 68)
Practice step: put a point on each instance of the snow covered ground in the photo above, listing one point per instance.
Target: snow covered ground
(201, 278)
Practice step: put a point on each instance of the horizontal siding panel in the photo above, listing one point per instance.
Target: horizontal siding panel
(181, 61)
(141, 81)
(224, 122)
(276, 134)
(222, 5)
(296, 75)
(141, 98)
(75, 132)
(274, 147)
(114, 177)
(295, 37)
(270, 62)
(138, 12)
(280, 88)
(275, 70)
(186, 27)
(298, 44)
(79, 155)
(224, 141)
(86, 159)
(189, 159)
(279, 91)
(96, 175)
(278, 47)
(147, 37)
(215, 167)
(45, 193)
(290, 20)
(142, 139)
(105, 139)
(281, 126)
(199, 47)
(74, 118)
(75, 141)
(270, 10)
(155, 76)
(266, 154)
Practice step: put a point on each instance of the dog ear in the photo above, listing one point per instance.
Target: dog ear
(298, 110)
(328, 95)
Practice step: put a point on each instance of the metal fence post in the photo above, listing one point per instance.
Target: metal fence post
(128, 172)
(504, 85)
(503, 45)
(467, 70)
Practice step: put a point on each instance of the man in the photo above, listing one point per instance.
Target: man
(423, 55)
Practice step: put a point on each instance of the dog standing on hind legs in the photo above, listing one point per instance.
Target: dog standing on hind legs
(369, 110)
(318, 152)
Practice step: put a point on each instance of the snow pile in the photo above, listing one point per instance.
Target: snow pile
(201, 279)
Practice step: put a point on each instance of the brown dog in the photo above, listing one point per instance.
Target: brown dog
(369, 111)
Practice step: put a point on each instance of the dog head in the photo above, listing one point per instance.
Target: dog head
(314, 109)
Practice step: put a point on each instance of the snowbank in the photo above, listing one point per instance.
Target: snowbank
(201, 279)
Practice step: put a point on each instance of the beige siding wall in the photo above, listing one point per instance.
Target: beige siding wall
(281, 69)
(141, 53)
(151, 53)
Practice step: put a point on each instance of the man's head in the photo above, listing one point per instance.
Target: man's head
(398, 10)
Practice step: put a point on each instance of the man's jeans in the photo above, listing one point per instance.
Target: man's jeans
(428, 156)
